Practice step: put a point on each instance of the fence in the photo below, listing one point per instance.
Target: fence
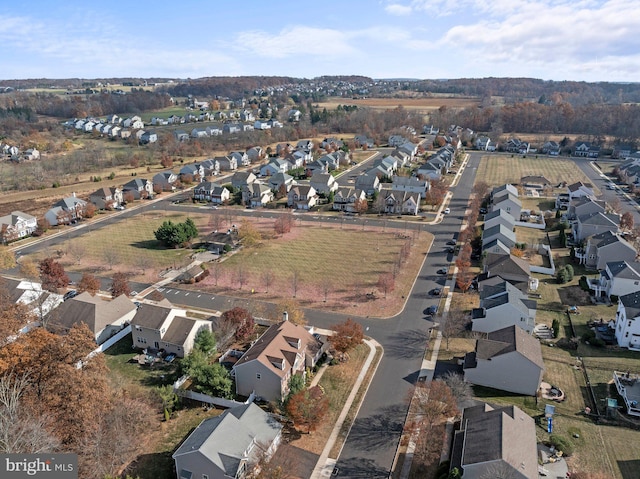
(205, 398)
(526, 224)
(544, 250)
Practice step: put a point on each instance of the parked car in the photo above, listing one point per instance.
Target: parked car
(70, 294)
(452, 242)
(431, 310)
(435, 292)
(443, 271)
(447, 211)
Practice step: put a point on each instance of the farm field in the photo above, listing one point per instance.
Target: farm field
(431, 103)
(497, 170)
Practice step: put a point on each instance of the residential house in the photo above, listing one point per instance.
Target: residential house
(617, 279)
(211, 167)
(124, 134)
(316, 167)
(622, 150)
(31, 154)
(503, 190)
(227, 163)
(267, 366)
(496, 246)
(483, 143)
(247, 116)
(500, 232)
(401, 202)
(332, 160)
(331, 143)
(627, 323)
(257, 194)
(294, 115)
(281, 181)
(580, 189)
(231, 128)
(229, 445)
(240, 179)
(586, 150)
(148, 137)
(137, 188)
(503, 305)
(551, 148)
(595, 223)
(38, 301)
(509, 359)
(302, 197)
(215, 130)
(66, 210)
(262, 125)
(411, 184)
(107, 198)
(181, 135)
(284, 149)
(199, 133)
(515, 145)
(604, 248)
(103, 317)
(158, 326)
(213, 192)
(369, 183)
(396, 140)
(195, 171)
(164, 181)
(255, 153)
(363, 141)
(408, 148)
(495, 442)
(323, 183)
(304, 145)
(499, 217)
(429, 171)
(345, 198)
(241, 157)
(387, 165)
(510, 204)
(298, 158)
(275, 123)
(16, 225)
(276, 165)
(430, 130)
(403, 157)
(510, 268)
(585, 205)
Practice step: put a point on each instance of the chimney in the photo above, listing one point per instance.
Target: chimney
(73, 194)
(285, 316)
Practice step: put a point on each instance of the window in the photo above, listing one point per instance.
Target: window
(629, 324)
(626, 335)
(258, 376)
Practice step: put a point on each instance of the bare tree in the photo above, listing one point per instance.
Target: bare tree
(142, 262)
(267, 279)
(241, 276)
(459, 388)
(295, 282)
(111, 257)
(77, 252)
(21, 431)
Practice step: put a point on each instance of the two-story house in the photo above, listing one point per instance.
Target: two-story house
(66, 210)
(266, 367)
(17, 225)
(323, 183)
(410, 184)
(401, 202)
(137, 188)
(627, 322)
(302, 197)
(159, 326)
(617, 279)
(107, 198)
(346, 197)
(165, 180)
(603, 248)
(503, 305)
(213, 192)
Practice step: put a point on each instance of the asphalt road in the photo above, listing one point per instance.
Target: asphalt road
(373, 440)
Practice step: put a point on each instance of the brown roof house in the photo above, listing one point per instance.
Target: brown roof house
(158, 326)
(510, 359)
(495, 443)
(283, 350)
(228, 445)
(103, 317)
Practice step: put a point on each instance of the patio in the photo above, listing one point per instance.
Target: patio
(628, 386)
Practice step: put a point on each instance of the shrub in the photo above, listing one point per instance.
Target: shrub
(569, 269)
(583, 283)
(588, 336)
(227, 248)
(597, 342)
(568, 344)
(562, 276)
(555, 325)
(614, 299)
(561, 443)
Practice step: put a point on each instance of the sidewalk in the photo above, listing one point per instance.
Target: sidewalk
(325, 465)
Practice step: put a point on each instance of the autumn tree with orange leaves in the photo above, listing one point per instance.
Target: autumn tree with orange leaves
(308, 408)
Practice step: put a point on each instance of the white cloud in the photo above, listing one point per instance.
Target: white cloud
(399, 10)
(292, 41)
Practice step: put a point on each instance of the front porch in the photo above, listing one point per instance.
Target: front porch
(628, 387)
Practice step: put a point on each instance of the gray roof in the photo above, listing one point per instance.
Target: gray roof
(631, 304)
(507, 197)
(179, 330)
(224, 439)
(624, 270)
(508, 188)
(600, 219)
(499, 212)
(14, 217)
(505, 434)
(93, 311)
(151, 316)
(507, 340)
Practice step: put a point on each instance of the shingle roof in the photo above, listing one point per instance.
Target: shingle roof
(509, 339)
(151, 316)
(631, 304)
(179, 330)
(624, 270)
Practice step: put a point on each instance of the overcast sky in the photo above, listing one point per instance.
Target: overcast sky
(590, 40)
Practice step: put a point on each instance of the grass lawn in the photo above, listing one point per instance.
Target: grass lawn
(337, 382)
(136, 252)
(345, 261)
(497, 170)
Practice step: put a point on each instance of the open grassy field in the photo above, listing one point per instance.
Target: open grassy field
(343, 261)
(411, 103)
(497, 170)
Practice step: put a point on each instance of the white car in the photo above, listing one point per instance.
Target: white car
(447, 211)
